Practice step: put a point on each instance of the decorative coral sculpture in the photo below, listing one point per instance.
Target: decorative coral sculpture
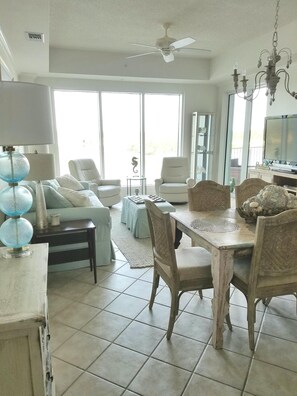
(269, 201)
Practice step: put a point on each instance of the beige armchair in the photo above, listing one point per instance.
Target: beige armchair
(175, 179)
(108, 191)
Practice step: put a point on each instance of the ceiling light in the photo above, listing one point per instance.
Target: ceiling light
(270, 74)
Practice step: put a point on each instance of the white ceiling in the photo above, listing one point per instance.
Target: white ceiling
(112, 25)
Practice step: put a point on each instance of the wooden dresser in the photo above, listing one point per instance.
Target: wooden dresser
(25, 362)
(288, 180)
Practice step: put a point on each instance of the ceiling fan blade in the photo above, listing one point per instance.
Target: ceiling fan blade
(195, 49)
(168, 57)
(182, 42)
(136, 56)
(143, 45)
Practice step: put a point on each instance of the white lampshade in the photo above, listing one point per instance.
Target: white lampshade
(25, 114)
(42, 166)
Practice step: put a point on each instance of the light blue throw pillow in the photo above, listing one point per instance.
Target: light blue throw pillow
(54, 200)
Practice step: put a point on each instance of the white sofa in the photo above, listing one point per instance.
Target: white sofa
(90, 208)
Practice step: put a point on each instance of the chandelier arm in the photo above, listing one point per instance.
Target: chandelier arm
(287, 82)
(270, 71)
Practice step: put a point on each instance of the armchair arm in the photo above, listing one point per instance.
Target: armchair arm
(158, 183)
(190, 182)
(115, 182)
(93, 187)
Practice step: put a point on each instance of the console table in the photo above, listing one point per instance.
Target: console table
(70, 232)
(284, 179)
(25, 362)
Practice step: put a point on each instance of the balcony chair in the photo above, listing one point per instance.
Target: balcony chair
(175, 180)
(272, 269)
(209, 195)
(182, 270)
(108, 191)
(247, 189)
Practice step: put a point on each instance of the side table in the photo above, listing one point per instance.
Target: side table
(68, 233)
(141, 183)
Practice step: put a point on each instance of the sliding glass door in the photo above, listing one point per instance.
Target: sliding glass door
(245, 131)
(121, 126)
(114, 127)
(161, 131)
(77, 122)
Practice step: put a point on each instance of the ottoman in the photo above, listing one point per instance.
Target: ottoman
(134, 215)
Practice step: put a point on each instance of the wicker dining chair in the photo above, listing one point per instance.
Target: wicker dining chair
(183, 269)
(272, 269)
(247, 189)
(209, 195)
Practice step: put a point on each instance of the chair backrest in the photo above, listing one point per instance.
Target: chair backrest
(209, 195)
(162, 241)
(175, 169)
(84, 170)
(274, 260)
(247, 189)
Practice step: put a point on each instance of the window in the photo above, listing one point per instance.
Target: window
(145, 126)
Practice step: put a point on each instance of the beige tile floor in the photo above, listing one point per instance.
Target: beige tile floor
(106, 342)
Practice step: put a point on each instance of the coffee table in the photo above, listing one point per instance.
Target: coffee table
(134, 215)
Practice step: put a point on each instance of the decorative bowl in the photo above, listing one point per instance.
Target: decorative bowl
(249, 217)
(252, 217)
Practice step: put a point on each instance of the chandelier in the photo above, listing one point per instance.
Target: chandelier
(270, 73)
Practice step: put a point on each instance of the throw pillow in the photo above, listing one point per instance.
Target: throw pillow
(53, 183)
(70, 182)
(78, 198)
(54, 200)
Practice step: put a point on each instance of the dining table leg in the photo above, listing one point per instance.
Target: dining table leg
(222, 272)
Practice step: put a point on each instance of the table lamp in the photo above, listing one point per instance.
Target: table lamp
(42, 167)
(25, 119)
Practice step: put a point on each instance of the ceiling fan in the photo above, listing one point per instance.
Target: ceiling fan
(167, 46)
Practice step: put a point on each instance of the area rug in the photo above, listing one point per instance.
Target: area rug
(138, 252)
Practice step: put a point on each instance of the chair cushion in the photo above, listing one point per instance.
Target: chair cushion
(193, 263)
(70, 182)
(242, 271)
(172, 188)
(108, 191)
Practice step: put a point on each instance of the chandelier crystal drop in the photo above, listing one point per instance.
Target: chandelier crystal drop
(270, 74)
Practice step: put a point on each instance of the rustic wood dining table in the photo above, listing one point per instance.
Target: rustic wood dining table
(223, 233)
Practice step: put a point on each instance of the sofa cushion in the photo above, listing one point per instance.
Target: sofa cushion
(69, 182)
(54, 200)
(80, 198)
